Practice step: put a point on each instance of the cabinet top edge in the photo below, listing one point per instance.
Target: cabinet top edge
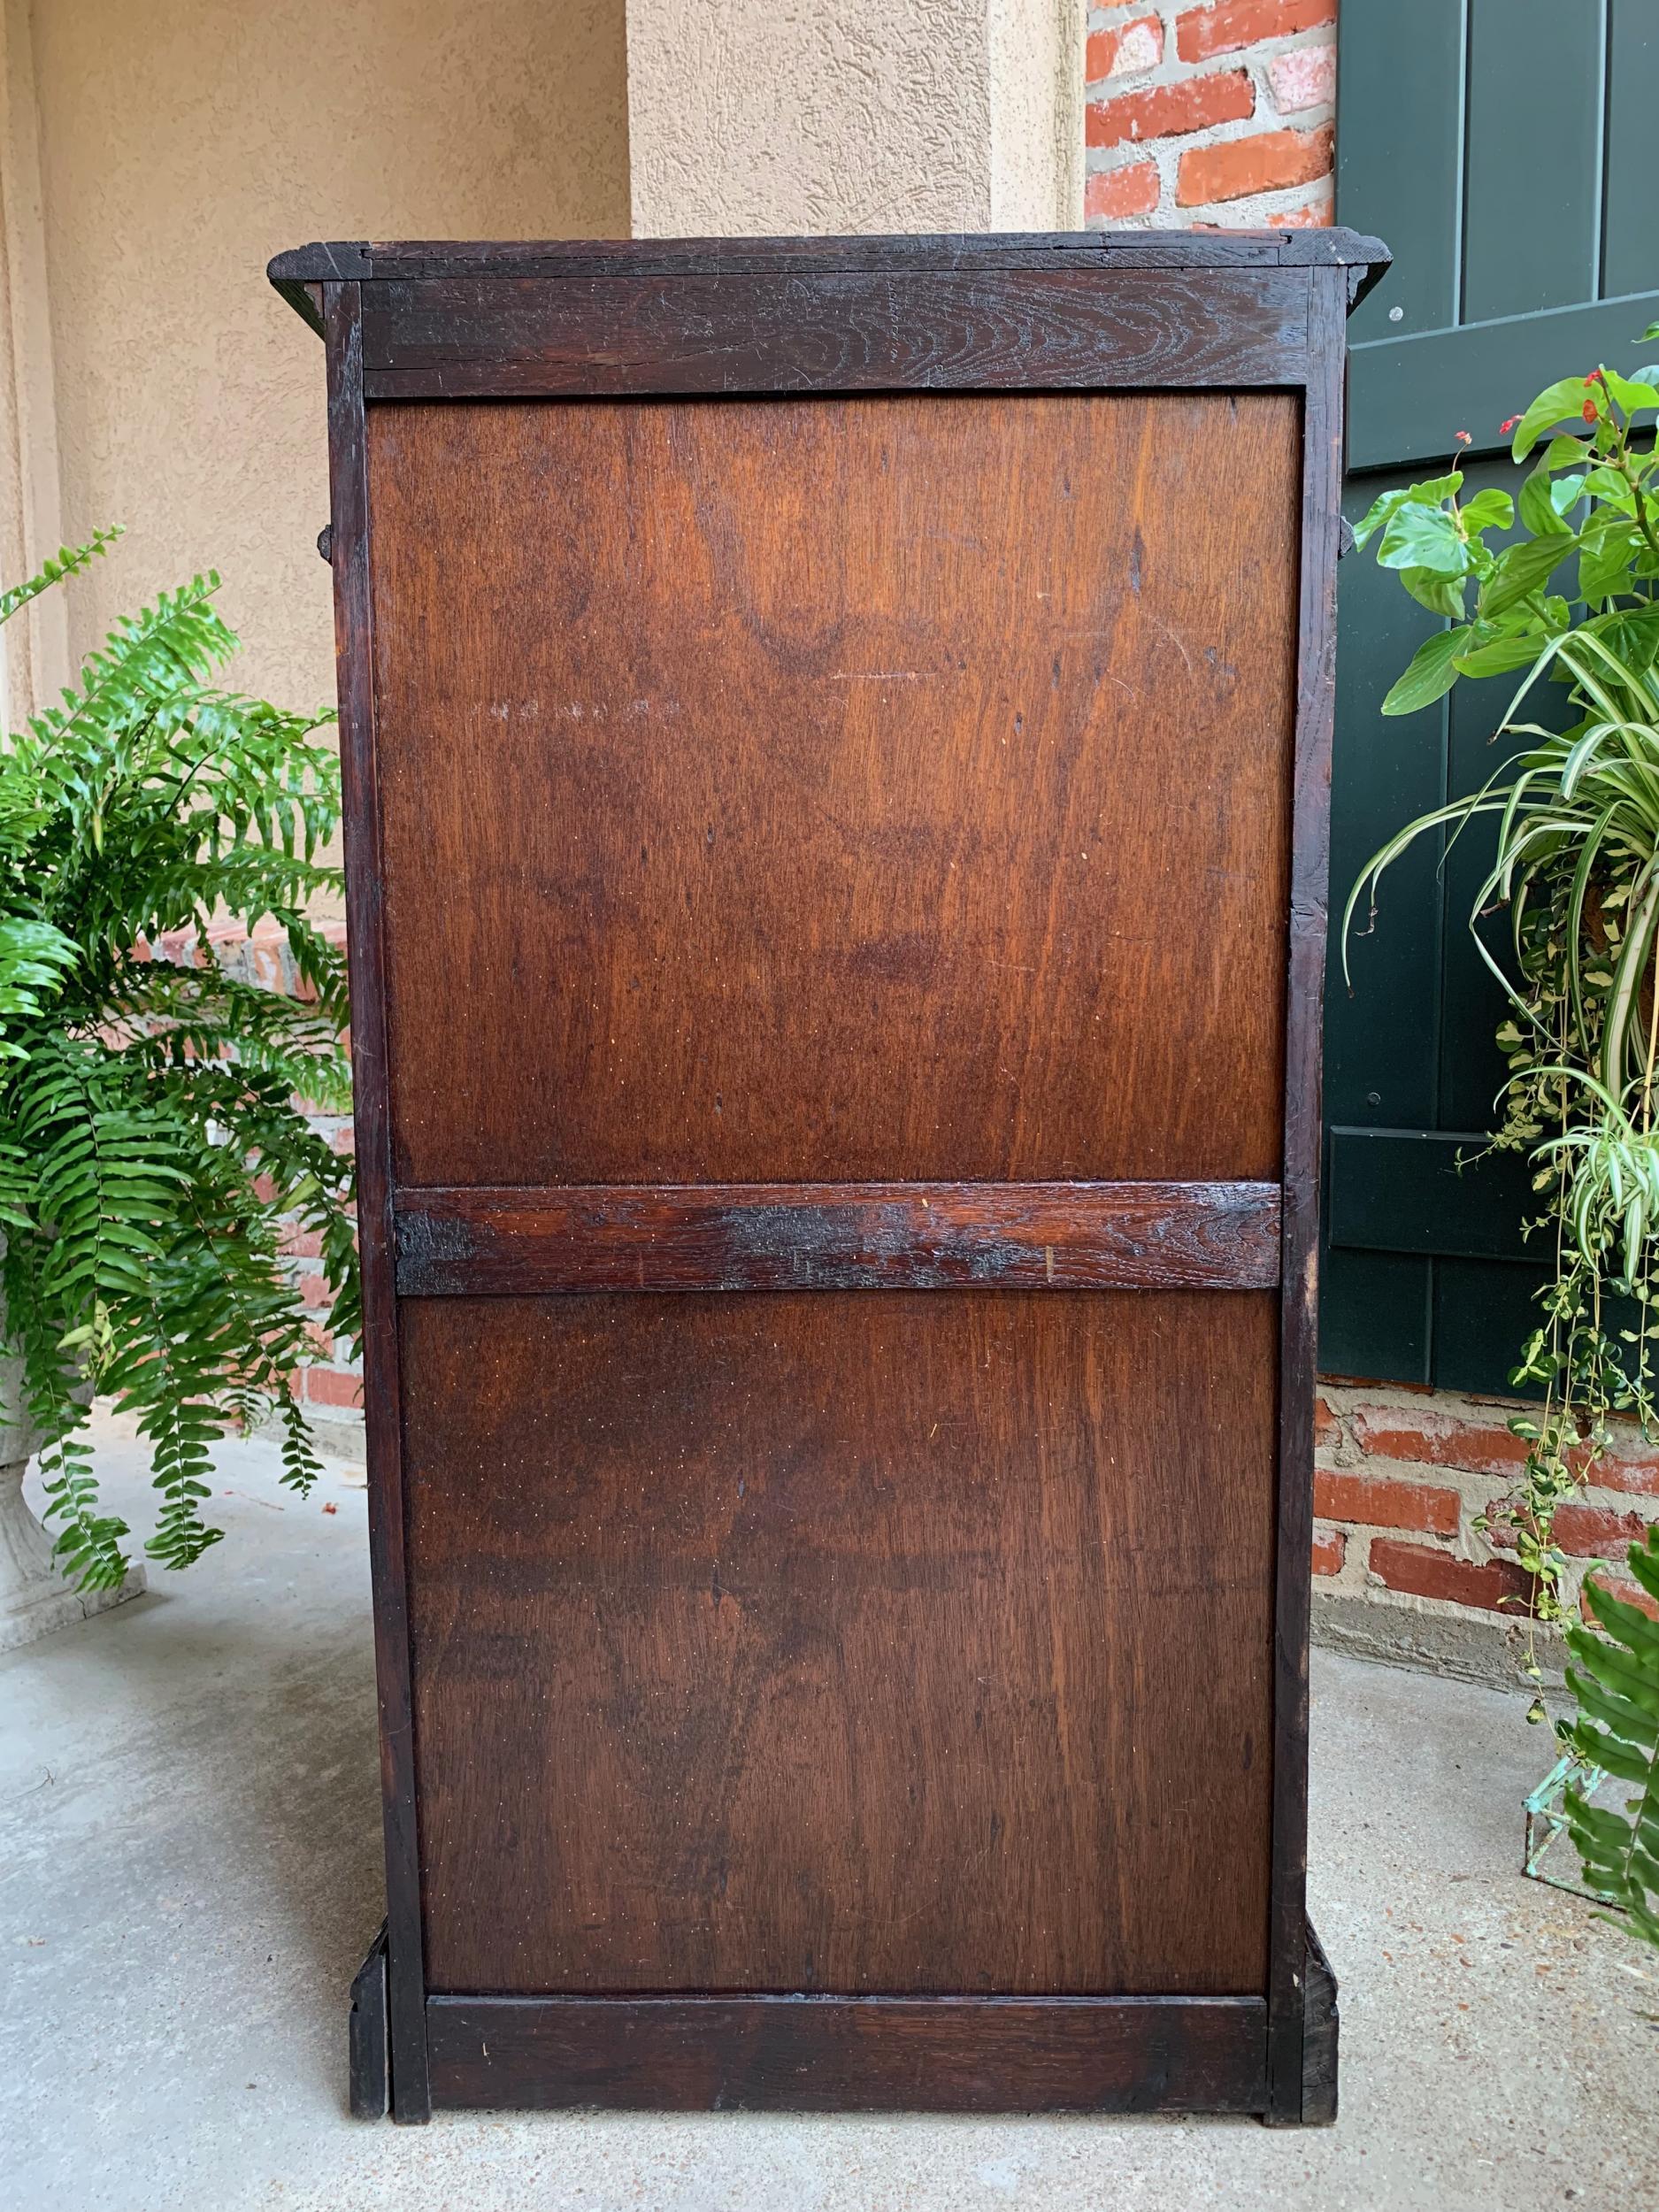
(361, 261)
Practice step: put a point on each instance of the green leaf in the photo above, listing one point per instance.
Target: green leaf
(1604, 559)
(1382, 510)
(1632, 394)
(1441, 595)
(1502, 654)
(1431, 673)
(1541, 508)
(1522, 570)
(1377, 514)
(1565, 452)
(1423, 537)
(70, 560)
(1489, 509)
(1616, 1686)
(1560, 400)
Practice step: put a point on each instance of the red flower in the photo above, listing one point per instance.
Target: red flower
(1595, 377)
(1463, 437)
(1589, 411)
(1509, 423)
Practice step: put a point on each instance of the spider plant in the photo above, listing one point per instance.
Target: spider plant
(1571, 601)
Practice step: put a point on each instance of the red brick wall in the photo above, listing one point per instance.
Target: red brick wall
(1400, 1475)
(1219, 114)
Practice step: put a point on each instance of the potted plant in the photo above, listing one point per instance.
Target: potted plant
(151, 1151)
(1572, 599)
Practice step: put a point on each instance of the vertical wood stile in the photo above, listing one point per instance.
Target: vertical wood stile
(342, 315)
(1316, 681)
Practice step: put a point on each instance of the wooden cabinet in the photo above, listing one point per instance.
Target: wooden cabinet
(836, 738)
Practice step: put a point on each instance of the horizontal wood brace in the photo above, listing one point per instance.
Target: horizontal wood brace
(800, 2054)
(1052, 327)
(837, 1236)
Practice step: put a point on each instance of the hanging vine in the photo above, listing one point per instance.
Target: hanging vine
(1569, 601)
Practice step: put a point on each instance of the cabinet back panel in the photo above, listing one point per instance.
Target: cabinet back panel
(774, 789)
(840, 1641)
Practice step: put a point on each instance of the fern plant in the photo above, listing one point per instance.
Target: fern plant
(1616, 1681)
(151, 1153)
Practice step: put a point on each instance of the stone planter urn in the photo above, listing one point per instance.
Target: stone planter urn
(35, 1597)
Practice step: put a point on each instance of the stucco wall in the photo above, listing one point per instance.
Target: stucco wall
(184, 142)
(752, 117)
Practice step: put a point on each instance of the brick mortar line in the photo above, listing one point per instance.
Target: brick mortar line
(1254, 60)
(1163, 152)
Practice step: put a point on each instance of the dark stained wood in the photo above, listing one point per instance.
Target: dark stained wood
(918, 1642)
(946, 843)
(770, 822)
(1320, 2039)
(875, 2054)
(847, 331)
(1105, 251)
(365, 955)
(366, 2071)
(839, 1236)
(1316, 682)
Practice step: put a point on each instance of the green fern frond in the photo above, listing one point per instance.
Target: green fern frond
(70, 560)
(152, 1153)
(1615, 1682)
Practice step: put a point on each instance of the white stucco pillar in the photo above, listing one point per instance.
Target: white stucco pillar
(34, 647)
(749, 117)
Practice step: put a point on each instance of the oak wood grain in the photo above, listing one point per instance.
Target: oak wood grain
(839, 1236)
(837, 331)
(819, 1641)
(760, 849)
(874, 2053)
(773, 821)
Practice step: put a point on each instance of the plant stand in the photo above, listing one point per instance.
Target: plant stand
(35, 1597)
(1547, 1824)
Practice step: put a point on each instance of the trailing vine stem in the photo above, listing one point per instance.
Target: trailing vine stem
(1571, 601)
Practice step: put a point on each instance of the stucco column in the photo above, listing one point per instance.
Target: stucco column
(750, 117)
(34, 647)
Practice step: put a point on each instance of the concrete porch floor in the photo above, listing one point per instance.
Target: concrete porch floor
(189, 1872)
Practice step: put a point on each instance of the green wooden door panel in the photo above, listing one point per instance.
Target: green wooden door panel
(1381, 1054)
(1504, 149)
(1375, 1317)
(1630, 252)
(1412, 138)
(1482, 1314)
(1408, 397)
(1531, 157)
(1428, 1192)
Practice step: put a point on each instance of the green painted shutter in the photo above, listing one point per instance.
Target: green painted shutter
(1502, 147)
